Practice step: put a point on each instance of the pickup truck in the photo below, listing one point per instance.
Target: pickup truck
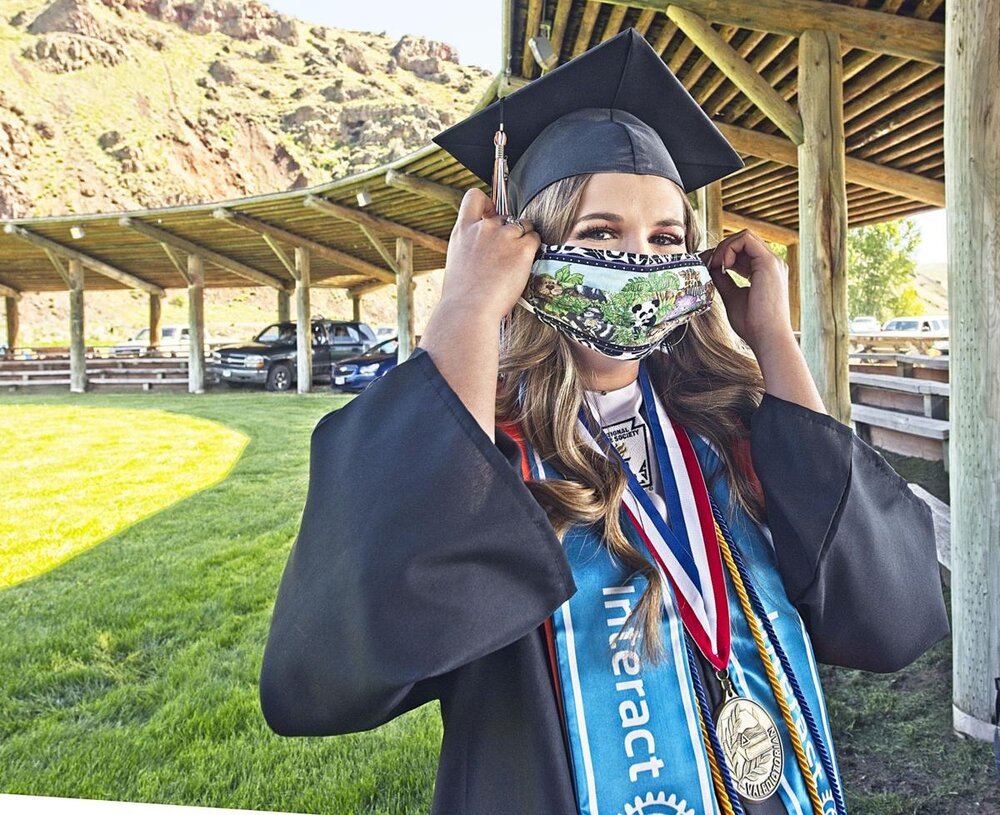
(270, 358)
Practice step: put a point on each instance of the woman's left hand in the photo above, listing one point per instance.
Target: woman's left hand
(759, 312)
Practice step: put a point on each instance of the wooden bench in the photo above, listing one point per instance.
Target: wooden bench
(906, 394)
(922, 366)
(871, 362)
(902, 433)
(941, 513)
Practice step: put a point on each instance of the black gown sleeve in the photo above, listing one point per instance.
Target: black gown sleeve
(854, 546)
(420, 550)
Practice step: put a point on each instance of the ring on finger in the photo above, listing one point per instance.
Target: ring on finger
(517, 222)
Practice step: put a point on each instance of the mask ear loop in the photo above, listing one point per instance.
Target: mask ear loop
(666, 348)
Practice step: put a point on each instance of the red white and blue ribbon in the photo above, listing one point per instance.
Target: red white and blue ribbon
(683, 545)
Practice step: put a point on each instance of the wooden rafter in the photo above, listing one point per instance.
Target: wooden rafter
(586, 30)
(428, 189)
(859, 28)
(192, 248)
(9, 291)
(859, 171)
(99, 266)
(180, 267)
(768, 231)
(373, 239)
(57, 264)
(294, 239)
(532, 20)
(559, 24)
(355, 216)
(739, 71)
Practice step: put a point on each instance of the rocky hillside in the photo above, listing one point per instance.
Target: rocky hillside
(122, 104)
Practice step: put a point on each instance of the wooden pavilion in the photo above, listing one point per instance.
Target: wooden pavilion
(844, 114)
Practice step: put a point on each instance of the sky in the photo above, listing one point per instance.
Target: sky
(473, 27)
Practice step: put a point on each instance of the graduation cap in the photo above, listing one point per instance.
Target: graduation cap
(615, 109)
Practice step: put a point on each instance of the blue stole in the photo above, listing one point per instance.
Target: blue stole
(634, 735)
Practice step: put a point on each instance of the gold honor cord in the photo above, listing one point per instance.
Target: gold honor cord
(779, 697)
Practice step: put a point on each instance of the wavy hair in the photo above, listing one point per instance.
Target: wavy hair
(706, 383)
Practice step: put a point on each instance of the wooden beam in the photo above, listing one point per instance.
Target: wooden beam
(155, 310)
(713, 212)
(559, 24)
(858, 171)
(281, 255)
(57, 264)
(77, 347)
(284, 312)
(355, 216)
(181, 269)
(794, 286)
(586, 29)
(532, 19)
(99, 266)
(859, 28)
(734, 222)
(972, 76)
(823, 220)
(9, 291)
(192, 248)
(356, 309)
(404, 297)
(196, 323)
(373, 239)
(427, 189)
(13, 322)
(303, 321)
(739, 71)
(294, 239)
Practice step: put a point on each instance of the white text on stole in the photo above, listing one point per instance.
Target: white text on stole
(634, 713)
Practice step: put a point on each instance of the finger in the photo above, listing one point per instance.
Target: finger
(724, 283)
(475, 206)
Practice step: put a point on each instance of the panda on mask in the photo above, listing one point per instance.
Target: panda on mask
(644, 314)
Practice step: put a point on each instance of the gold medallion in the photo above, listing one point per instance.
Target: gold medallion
(751, 745)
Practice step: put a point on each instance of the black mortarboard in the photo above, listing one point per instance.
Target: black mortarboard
(614, 108)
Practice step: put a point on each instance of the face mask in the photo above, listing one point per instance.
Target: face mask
(621, 304)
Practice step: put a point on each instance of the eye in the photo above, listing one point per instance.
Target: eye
(666, 239)
(596, 233)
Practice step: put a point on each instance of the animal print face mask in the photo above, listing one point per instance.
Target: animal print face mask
(621, 304)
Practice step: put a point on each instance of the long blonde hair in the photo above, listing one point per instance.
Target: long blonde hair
(706, 383)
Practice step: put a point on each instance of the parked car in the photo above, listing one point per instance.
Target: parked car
(936, 323)
(865, 325)
(174, 342)
(270, 359)
(357, 373)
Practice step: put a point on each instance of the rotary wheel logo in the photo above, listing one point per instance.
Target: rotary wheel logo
(658, 804)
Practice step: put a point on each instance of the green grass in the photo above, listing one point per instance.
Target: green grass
(130, 670)
(67, 491)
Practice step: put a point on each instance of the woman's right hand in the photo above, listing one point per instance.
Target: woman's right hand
(488, 260)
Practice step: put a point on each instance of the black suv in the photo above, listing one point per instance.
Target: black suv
(270, 358)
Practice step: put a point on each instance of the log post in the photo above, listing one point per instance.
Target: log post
(303, 321)
(356, 308)
(196, 321)
(823, 219)
(972, 159)
(12, 323)
(404, 297)
(284, 311)
(155, 301)
(794, 286)
(713, 212)
(77, 350)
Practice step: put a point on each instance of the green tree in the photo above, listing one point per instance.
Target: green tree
(880, 270)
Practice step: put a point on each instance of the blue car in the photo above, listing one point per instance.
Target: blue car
(357, 373)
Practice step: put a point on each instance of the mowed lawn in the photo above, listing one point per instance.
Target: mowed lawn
(129, 670)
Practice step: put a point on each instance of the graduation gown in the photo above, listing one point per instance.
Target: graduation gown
(424, 569)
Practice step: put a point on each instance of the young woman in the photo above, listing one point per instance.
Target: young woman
(615, 547)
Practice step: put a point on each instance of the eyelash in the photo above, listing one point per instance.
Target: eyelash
(590, 234)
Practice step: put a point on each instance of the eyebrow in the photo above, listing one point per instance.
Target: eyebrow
(610, 216)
